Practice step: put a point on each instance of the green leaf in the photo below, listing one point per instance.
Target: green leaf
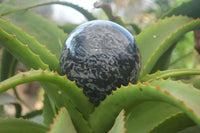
(150, 114)
(69, 88)
(53, 91)
(62, 93)
(48, 112)
(118, 126)
(190, 8)
(21, 126)
(20, 51)
(194, 129)
(59, 97)
(8, 64)
(164, 61)
(170, 74)
(184, 52)
(46, 56)
(172, 92)
(108, 11)
(175, 123)
(49, 34)
(87, 14)
(160, 36)
(63, 123)
(135, 27)
(180, 91)
(32, 114)
(68, 28)
(194, 81)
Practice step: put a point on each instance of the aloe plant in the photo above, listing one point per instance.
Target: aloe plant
(157, 103)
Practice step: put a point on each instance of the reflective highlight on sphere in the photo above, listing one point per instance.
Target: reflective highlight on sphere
(100, 56)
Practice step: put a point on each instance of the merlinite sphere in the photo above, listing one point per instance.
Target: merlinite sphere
(100, 56)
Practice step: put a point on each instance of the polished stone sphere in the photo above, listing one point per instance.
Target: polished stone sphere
(100, 56)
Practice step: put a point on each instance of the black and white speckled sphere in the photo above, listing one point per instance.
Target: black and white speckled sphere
(100, 56)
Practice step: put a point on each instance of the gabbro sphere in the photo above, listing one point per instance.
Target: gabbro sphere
(100, 56)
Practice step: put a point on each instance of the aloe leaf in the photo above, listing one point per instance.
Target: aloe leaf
(180, 91)
(182, 58)
(108, 11)
(158, 43)
(129, 96)
(164, 61)
(21, 126)
(32, 114)
(68, 86)
(42, 30)
(62, 93)
(8, 64)
(194, 81)
(170, 74)
(20, 51)
(87, 14)
(8, 67)
(175, 123)
(184, 52)
(150, 114)
(194, 129)
(46, 56)
(63, 123)
(68, 28)
(119, 124)
(135, 27)
(190, 8)
(48, 112)
(59, 98)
